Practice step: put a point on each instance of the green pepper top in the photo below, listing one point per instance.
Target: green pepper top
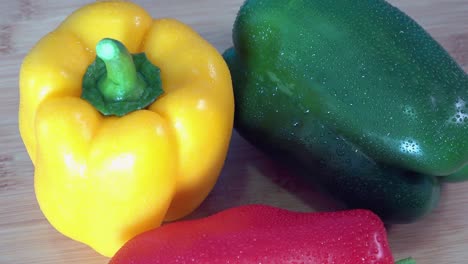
(406, 261)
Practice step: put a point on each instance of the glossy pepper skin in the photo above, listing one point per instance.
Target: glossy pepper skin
(321, 155)
(264, 234)
(365, 70)
(101, 179)
(316, 83)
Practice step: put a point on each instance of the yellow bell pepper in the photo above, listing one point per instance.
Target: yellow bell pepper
(103, 177)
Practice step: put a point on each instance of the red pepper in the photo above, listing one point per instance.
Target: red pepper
(264, 234)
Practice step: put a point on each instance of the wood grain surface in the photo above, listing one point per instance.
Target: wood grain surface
(248, 176)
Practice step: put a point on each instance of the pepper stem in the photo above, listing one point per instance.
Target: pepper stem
(406, 261)
(118, 82)
(121, 83)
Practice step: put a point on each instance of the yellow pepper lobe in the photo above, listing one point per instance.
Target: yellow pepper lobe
(199, 104)
(95, 180)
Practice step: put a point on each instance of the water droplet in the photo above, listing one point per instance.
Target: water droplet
(410, 146)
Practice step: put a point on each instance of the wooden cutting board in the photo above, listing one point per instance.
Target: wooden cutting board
(248, 176)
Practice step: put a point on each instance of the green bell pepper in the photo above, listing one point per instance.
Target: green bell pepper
(357, 93)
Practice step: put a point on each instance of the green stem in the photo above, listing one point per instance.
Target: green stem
(406, 261)
(121, 83)
(118, 82)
